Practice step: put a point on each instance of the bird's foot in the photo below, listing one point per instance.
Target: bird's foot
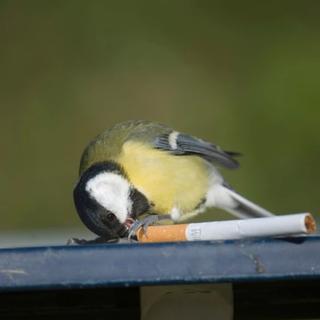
(145, 223)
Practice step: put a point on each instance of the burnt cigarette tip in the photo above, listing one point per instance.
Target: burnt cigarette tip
(310, 224)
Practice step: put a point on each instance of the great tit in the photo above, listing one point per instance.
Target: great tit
(141, 172)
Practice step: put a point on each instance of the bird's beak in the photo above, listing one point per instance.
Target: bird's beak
(125, 227)
(129, 222)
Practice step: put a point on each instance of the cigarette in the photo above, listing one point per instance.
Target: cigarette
(276, 226)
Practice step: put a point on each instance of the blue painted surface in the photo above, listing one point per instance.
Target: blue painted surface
(164, 263)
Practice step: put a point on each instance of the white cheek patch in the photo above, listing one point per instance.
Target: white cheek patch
(111, 191)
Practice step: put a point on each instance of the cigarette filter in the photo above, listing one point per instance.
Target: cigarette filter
(285, 225)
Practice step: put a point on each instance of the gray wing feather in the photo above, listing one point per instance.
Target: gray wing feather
(187, 145)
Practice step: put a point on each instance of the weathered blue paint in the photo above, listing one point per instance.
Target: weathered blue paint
(164, 263)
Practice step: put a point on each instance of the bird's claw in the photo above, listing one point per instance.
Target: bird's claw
(144, 224)
(134, 228)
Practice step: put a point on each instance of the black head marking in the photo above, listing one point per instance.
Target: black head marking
(97, 218)
(107, 166)
(140, 203)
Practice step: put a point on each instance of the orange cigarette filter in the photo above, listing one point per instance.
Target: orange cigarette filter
(164, 233)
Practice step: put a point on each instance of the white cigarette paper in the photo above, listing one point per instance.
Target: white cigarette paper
(285, 225)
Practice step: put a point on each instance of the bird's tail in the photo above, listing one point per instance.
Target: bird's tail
(229, 200)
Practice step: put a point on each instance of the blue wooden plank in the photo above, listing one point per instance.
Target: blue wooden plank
(164, 263)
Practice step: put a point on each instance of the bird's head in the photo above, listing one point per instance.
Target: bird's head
(106, 201)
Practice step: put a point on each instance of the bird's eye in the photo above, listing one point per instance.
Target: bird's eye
(111, 216)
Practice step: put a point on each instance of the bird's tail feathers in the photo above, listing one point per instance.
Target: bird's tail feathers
(229, 200)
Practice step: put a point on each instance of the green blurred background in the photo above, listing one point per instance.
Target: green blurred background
(242, 74)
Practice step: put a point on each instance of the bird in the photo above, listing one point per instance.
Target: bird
(140, 172)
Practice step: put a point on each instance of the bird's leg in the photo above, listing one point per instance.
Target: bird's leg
(145, 223)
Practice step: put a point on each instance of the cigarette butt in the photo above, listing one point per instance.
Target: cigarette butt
(275, 226)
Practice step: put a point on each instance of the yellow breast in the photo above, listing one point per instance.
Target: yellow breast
(167, 180)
